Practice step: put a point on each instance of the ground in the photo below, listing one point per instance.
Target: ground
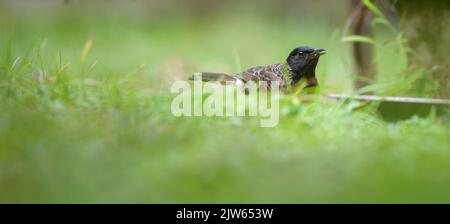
(112, 137)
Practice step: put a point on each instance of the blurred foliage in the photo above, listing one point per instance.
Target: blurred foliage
(414, 77)
(425, 26)
(85, 114)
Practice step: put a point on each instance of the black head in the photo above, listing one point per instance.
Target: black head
(303, 62)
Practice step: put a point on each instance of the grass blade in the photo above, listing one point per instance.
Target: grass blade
(87, 47)
(369, 4)
(358, 38)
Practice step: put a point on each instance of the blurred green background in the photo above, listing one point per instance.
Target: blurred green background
(85, 108)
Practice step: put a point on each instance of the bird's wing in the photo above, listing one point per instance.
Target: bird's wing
(269, 73)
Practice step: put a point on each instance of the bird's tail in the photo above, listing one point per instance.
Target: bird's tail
(215, 77)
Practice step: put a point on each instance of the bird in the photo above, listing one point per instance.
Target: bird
(298, 68)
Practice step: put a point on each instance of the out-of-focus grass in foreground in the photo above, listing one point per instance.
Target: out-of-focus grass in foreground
(85, 117)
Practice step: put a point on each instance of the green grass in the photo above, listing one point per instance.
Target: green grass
(102, 131)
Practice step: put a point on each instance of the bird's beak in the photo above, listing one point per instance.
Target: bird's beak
(320, 51)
